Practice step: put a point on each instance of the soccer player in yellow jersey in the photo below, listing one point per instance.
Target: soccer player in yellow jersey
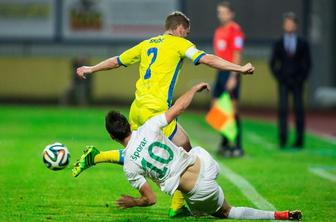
(161, 58)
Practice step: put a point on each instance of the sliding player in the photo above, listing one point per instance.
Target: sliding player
(149, 153)
(161, 59)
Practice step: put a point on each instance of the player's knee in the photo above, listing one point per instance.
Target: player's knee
(224, 214)
(224, 211)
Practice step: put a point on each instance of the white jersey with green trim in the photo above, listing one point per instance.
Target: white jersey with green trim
(151, 154)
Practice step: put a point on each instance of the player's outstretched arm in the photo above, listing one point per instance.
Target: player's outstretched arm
(184, 101)
(147, 198)
(221, 64)
(110, 63)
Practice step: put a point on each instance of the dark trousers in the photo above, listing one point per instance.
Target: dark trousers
(219, 89)
(297, 91)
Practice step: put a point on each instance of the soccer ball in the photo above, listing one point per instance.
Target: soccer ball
(56, 156)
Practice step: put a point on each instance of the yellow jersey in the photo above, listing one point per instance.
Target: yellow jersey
(161, 59)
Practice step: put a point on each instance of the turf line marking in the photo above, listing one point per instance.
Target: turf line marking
(244, 186)
(323, 173)
(326, 137)
(258, 139)
(270, 146)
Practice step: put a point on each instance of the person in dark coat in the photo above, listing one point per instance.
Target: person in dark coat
(290, 64)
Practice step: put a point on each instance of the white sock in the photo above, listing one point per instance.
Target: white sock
(250, 213)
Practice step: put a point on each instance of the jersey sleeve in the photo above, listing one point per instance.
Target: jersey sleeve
(189, 50)
(157, 122)
(238, 40)
(135, 179)
(131, 55)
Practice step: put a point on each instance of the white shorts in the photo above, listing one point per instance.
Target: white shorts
(207, 196)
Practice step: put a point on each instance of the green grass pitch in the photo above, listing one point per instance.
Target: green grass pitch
(31, 192)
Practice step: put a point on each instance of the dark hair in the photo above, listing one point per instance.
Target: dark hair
(292, 16)
(226, 4)
(175, 19)
(117, 125)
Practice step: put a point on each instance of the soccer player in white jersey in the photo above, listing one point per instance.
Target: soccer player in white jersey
(150, 154)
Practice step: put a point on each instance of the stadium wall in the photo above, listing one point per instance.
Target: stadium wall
(47, 78)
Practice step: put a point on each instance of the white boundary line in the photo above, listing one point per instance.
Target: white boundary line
(255, 138)
(244, 186)
(326, 137)
(323, 173)
(258, 139)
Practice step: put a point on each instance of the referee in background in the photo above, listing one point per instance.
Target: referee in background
(228, 44)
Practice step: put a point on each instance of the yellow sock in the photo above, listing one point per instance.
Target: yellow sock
(112, 156)
(177, 200)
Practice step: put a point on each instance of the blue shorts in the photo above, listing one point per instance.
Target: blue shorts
(219, 87)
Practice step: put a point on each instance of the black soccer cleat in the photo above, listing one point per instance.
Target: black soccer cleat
(295, 215)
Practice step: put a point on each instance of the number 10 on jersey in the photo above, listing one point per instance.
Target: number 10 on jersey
(147, 165)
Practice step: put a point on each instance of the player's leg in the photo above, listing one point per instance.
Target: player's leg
(93, 156)
(219, 88)
(237, 149)
(227, 211)
(206, 197)
(224, 211)
(116, 156)
(111, 156)
(209, 197)
(282, 113)
(177, 207)
(136, 118)
(299, 115)
(179, 137)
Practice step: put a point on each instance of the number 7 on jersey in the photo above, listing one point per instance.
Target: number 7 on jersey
(150, 51)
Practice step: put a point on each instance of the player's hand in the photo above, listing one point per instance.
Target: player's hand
(125, 201)
(202, 86)
(82, 71)
(247, 69)
(231, 83)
